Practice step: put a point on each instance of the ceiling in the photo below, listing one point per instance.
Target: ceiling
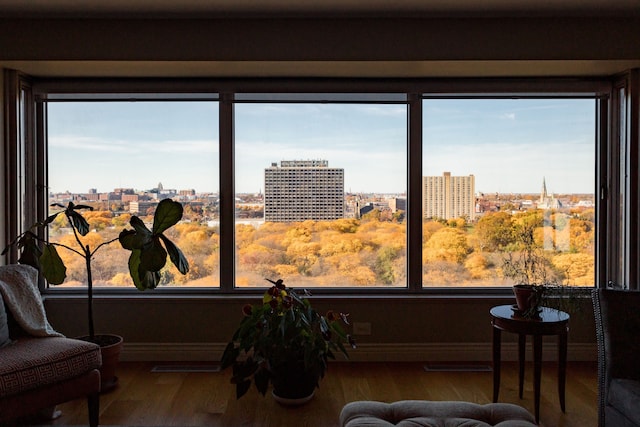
(249, 8)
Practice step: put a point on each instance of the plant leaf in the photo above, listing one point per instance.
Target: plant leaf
(78, 222)
(149, 279)
(242, 387)
(153, 257)
(231, 353)
(52, 266)
(139, 226)
(168, 213)
(134, 264)
(175, 254)
(128, 240)
(261, 378)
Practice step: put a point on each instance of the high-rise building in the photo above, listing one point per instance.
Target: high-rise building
(448, 196)
(299, 190)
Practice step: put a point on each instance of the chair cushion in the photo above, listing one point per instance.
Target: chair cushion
(31, 362)
(4, 325)
(624, 396)
(422, 413)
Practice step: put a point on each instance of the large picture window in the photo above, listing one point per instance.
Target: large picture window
(321, 194)
(356, 192)
(121, 158)
(499, 171)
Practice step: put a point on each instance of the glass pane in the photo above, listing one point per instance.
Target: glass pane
(321, 194)
(122, 158)
(496, 171)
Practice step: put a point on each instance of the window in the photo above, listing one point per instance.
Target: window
(317, 190)
(396, 191)
(495, 167)
(121, 158)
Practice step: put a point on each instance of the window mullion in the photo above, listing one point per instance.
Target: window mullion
(414, 199)
(227, 194)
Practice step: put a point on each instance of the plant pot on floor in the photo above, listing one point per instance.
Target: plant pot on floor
(110, 349)
(294, 386)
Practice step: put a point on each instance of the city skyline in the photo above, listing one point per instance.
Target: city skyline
(134, 145)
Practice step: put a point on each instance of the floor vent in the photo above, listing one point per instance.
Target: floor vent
(450, 367)
(185, 368)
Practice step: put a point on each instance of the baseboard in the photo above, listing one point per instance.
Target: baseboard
(366, 352)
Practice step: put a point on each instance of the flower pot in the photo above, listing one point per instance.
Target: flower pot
(292, 401)
(110, 349)
(527, 299)
(292, 385)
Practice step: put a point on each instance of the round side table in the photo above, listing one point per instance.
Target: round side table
(550, 322)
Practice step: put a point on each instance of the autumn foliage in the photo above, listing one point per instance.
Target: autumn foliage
(359, 252)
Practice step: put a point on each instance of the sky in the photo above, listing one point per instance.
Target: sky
(509, 145)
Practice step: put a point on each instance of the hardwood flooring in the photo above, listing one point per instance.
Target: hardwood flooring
(145, 398)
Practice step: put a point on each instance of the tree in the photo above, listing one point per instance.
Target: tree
(447, 244)
(495, 231)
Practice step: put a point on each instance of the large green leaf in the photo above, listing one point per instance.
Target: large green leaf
(129, 240)
(168, 213)
(175, 254)
(137, 238)
(142, 279)
(153, 257)
(139, 226)
(52, 266)
(149, 279)
(30, 251)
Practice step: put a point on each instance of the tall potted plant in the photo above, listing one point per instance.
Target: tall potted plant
(149, 250)
(284, 342)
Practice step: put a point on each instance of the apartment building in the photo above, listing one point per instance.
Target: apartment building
(448, 196)
(298, 190)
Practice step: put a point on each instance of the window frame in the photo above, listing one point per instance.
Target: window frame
(415, 90)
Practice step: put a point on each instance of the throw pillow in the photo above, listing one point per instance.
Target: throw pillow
(4, 327)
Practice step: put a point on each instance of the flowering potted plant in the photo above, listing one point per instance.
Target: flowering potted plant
(283, 341)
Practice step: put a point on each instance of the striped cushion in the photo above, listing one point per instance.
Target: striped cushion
(30, 363)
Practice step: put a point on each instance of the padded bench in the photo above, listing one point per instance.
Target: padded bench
(422, 413)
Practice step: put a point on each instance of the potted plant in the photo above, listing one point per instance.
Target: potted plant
(285, 342)
(529, 271)
(536, 284)
(149, 249)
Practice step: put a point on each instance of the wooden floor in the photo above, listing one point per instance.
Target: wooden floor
(144, 398)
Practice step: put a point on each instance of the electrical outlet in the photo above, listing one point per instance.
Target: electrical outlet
(361, 328)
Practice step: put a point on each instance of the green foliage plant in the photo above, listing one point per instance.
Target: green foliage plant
(283, 335)
(149, 248)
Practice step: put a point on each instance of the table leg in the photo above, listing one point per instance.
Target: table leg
(562, 367)
(537, 373)
(522, 341)
(496, 363)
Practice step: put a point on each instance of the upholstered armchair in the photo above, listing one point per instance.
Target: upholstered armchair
(617, 316)
(40, 368)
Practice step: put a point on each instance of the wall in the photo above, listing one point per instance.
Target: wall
(403, 328)
(409, 328)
